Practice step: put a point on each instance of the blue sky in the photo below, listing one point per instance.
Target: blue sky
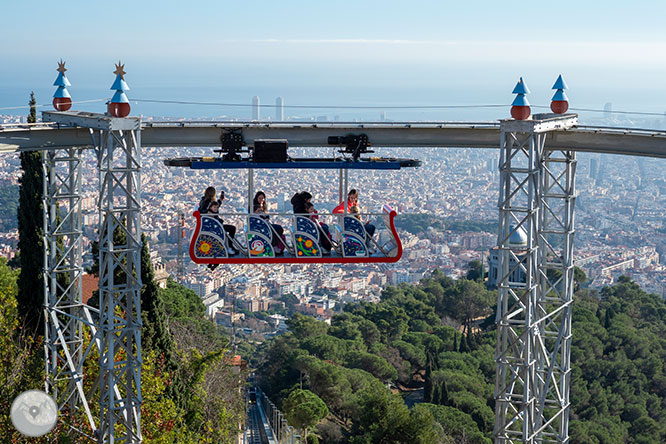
(434, 51)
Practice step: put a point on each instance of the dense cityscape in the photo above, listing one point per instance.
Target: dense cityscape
(452, 185)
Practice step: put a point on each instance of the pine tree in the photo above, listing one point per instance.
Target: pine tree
(31, 231)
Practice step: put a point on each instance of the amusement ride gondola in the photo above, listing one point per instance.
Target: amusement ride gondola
(302, 243)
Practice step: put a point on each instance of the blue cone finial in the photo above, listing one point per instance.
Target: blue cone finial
(560, 83)
(560, 95)
(521, 88)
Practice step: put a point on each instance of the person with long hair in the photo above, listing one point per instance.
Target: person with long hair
(259, 206)
(206, 200)
(210, 205)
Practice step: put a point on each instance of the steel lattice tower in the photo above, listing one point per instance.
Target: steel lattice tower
(535, 286)
(65, 313)
(116, 327)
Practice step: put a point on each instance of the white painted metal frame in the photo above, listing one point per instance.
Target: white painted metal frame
(119, 157)
(65, 313)
(116, 327)
(533, 316)
(556, 280)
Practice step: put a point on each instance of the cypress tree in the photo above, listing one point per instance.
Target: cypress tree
(31, 230)
(156, 334)
(464, 346)
(428, 388)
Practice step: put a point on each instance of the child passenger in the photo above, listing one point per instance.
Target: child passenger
(324, 233)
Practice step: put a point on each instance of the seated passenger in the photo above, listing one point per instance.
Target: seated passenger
(352, 201)
(260, 207)
(324, 233)
(299, 200)
(352, 196)
(206, 200)
(214, 208)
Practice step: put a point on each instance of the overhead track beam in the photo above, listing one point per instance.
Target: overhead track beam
(635, 142)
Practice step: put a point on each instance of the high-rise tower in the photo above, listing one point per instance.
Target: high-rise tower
(279, 109)
(256, 108)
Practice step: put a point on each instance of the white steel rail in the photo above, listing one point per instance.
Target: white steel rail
(116, 327)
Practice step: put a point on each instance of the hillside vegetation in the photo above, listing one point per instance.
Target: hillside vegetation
(191, 393)
(428, 337)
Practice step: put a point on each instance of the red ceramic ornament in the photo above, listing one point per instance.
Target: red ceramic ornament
(559, 106)
(119, 109)
(520, 112)
(62, 103)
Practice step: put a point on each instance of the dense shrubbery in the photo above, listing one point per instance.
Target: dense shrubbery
(400, 340)
(414, 338)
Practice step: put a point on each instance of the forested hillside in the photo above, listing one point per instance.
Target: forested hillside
(191, 392)
(432, 337)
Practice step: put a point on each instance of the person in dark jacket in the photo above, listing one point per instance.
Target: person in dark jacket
(206, 200)
(299, 200)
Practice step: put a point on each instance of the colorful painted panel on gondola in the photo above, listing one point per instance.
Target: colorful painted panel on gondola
(353, 246)
(353, 225)
(259, 246)
(306, 246)
(207, 245)
(307, 226)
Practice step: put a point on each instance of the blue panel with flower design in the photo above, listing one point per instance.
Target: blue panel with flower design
(306, 246)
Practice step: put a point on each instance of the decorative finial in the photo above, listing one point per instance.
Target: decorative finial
(520, 108)
(119, 105)
(119, 70)
(560, 101)
(61, 67)
(62, 101)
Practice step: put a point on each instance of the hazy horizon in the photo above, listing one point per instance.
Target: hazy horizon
(347, 53)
